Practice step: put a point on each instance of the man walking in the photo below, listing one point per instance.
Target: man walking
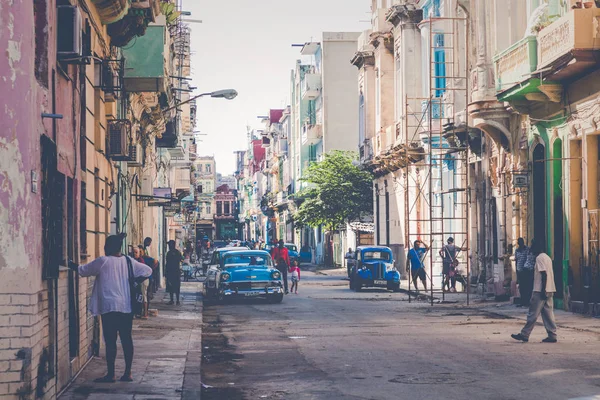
(281, 258)
(414, 263)
(542, 300)
(525, 265)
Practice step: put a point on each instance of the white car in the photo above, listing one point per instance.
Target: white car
(210, 283)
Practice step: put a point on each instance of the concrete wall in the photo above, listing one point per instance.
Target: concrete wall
(340, 94)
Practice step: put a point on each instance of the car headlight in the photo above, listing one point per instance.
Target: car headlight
(389, 268)
(275, 274)
(225, 276)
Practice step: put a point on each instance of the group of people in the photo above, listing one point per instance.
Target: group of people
(448, 253)
(535, 279)
(281, 258)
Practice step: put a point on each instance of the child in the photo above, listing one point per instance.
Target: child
(295, 271)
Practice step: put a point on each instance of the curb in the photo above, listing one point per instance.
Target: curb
(192, 379)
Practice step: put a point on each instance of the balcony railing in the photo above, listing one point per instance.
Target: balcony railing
(311, 134)
(311, 87)
(570, 45)
(515, 64)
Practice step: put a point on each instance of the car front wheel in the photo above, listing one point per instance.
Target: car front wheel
(276, 298)
(394, 287)
(357, 285)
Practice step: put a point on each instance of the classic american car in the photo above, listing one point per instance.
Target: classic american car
(210, 283)
(374, 267)
(244, 273)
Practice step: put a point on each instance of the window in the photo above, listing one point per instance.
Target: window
(227, 208)
(361, 119)
(208, 210)
(440, 65)
(199, 167)
(208, 168)
(219, 208)
(40, 15)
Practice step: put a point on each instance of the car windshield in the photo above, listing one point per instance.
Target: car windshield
(376, 255)
(291, 247)
(246, 259)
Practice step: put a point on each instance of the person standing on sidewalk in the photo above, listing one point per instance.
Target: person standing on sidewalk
(111, 300)
(173, 271)
(414, 263)
(138, 255)
(281, 257)
(542, 299)
(524, 272)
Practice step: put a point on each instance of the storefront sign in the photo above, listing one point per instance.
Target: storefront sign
(520, 180)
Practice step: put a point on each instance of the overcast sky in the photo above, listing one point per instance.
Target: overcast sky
(246, 45)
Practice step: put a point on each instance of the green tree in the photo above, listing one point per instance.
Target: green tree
(338, 191)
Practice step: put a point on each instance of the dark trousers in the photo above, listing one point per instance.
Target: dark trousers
(525, 279)
(121, 324)
(284, 272)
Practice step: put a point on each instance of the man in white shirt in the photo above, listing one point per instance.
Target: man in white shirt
(350, 256)
(542, 299)
(111, 299)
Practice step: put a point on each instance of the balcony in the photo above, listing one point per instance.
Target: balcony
(569, 46)
(311, 87)
(311, 134)
(145, 66)
(515, 64)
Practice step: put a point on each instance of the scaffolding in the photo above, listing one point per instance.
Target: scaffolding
(436, 188)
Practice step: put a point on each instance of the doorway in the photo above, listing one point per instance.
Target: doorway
(558, 240)
(539, 195)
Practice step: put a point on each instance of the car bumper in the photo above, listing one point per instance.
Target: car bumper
(253, 292)
(379, 282)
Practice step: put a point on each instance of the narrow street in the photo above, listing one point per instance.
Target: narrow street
(330, 343)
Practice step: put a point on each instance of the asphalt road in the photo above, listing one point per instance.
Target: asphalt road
(330, 343)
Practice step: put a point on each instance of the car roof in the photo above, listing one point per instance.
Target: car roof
(222, 249)
(373, 248)
(249, 252)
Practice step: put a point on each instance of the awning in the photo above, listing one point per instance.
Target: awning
(111, 11)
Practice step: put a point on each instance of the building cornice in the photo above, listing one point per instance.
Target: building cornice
(404, 14)
(363, 58)
(385, 38)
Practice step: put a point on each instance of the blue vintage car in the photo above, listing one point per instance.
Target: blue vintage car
(245, 273)
(293, 252)
(374, 267)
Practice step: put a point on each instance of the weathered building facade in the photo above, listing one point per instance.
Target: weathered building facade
(77, 155)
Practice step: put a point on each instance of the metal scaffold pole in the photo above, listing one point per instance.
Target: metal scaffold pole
(437, 174)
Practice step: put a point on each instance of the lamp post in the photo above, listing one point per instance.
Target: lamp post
(228, 94)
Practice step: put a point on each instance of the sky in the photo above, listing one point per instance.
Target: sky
(246, 45)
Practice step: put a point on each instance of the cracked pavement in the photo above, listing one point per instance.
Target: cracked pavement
(330, 343)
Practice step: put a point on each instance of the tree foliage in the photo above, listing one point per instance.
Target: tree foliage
(337, 192)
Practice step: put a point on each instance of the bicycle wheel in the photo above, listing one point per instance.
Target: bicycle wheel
(198, 274)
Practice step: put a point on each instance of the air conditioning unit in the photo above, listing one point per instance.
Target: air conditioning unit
(119, 139)
(135, 155)
(69, 44)
(111, 79)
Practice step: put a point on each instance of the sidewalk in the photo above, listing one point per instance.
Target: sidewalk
(564, 319)
(168, 353)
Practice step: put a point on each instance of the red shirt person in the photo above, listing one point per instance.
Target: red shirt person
(281, 258)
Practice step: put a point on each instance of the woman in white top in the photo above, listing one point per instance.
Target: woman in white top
(111, 299)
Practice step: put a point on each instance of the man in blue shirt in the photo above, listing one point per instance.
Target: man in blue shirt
(414, 263)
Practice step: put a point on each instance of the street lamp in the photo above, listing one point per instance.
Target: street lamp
(228, 94)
